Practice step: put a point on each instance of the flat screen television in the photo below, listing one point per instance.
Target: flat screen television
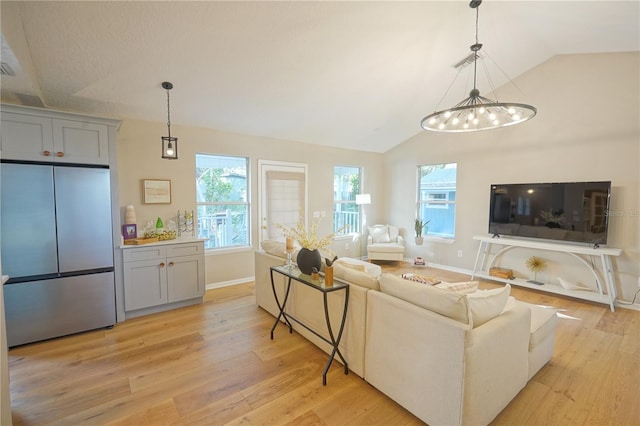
(573, 212)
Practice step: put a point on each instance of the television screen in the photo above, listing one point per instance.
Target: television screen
(567, 211)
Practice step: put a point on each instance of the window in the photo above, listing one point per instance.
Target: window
(346, 213)
(222, 201)
(437, 198)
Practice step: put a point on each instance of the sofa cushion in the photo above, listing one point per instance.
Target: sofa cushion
(464, 287)
(543, 324)
(360, 265)
(379, 233)
(353, 276)
(488, 304)
(386, 248)
(443, 302)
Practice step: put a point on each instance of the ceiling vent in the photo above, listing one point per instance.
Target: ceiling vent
(5, 69)
(467, 60)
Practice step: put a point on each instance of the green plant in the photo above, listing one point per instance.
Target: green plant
(419, 226)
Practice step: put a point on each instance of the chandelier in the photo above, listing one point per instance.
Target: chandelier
(169, 144)
(477, 112)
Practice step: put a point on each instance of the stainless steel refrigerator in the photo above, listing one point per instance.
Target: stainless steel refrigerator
(57, 248)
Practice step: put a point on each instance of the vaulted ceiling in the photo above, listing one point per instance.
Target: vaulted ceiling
(351, 74)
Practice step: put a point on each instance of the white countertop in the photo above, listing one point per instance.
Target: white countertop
(179, 240)
(5, 278)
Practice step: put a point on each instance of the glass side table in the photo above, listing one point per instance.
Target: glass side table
(293, 275)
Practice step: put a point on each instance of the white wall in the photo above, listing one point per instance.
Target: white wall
(587, 128)
(139, 158)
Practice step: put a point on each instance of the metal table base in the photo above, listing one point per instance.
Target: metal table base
(294, 274)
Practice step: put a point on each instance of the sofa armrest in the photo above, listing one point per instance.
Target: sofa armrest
(400, 240)
(416, 357)
(496, 365)
(369, 240)
(264, 293)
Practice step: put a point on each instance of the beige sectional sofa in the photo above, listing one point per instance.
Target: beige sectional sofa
(448, 358)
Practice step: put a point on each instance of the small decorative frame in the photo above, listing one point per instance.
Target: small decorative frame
(129, 231)
(156, 191)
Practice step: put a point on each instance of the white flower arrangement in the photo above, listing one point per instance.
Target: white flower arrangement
(309, 239)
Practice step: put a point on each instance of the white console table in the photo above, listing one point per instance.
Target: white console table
(481, 267)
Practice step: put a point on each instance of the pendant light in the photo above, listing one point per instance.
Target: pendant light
(169, 144)
(477, 112)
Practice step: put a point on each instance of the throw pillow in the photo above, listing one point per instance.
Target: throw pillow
(394, 232)
(443, 302)
(488, 304)
(360, 265)
(379, 234)
(352, 276)
(464, 287)
(352, 266)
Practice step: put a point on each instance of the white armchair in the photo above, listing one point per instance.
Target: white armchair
(385, 243)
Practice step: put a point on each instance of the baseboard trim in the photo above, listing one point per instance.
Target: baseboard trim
(211, 286)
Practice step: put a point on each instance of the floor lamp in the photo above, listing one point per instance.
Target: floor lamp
(363, 200)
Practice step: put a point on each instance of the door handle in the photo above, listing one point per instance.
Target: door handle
(162, 264)
(59, 154)
(46, 153)
(170, 263)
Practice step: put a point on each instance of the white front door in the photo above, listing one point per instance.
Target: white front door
(283, 197)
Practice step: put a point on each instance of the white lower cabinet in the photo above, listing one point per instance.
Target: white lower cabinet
(161, 275)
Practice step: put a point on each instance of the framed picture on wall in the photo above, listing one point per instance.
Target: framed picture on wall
(156, 191)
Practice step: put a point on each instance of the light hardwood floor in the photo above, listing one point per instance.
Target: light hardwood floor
(214, 364)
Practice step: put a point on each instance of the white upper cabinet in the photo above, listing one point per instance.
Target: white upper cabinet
(26, 137)
(32, 137)
(78, 142)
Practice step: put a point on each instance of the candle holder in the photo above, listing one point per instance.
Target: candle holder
(289, 249)
(289, 264)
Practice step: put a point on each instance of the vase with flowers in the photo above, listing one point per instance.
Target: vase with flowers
(309, 256)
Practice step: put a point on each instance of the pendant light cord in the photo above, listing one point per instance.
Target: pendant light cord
(168, 114)
(475, 51)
